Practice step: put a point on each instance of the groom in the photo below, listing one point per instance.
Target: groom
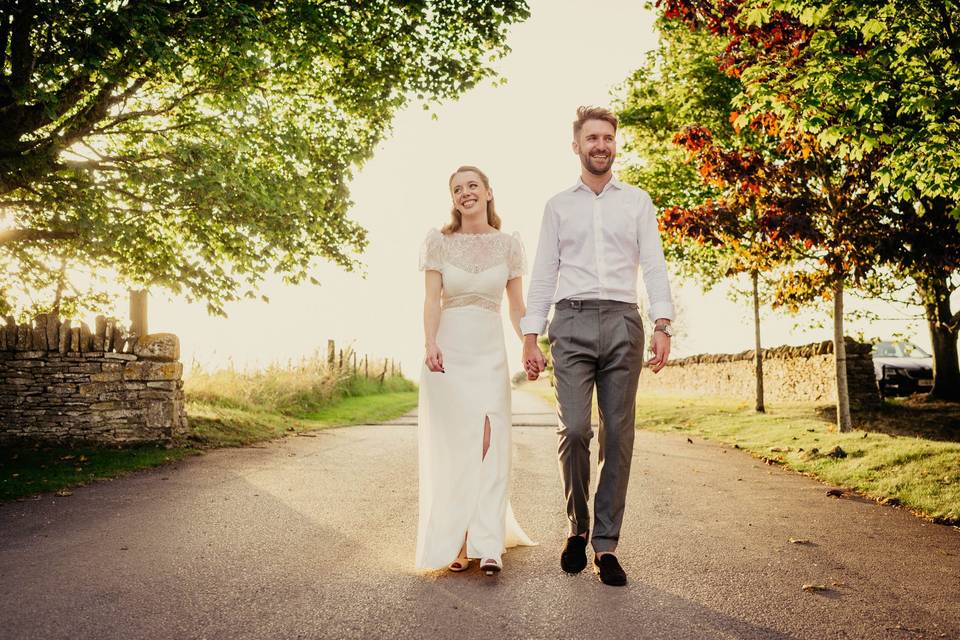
(593, 238)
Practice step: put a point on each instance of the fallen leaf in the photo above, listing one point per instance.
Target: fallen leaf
(836, 452)
(689, 440)
(64, 493)
(836, 493)
(68, 457)
(814, 587)
(798, 541)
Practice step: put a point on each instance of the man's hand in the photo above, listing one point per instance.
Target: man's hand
(660, 347)
(434, 359)
(533, 360)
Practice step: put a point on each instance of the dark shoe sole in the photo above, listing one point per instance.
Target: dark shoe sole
(611, 583)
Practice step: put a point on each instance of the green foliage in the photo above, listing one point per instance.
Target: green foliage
(196, 145)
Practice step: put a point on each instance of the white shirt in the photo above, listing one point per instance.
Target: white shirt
(590, 248)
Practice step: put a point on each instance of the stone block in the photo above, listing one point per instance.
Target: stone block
(126, 357)
(108, 330)
(40, 332)
(104, 406)
(24, 337)
(107, 376)
(164, 347)
(147, 370)
(64, 343)
(119, 338)
(75, 340)
(167, 385)
(53, 332)
(84, 337)
(10, 328)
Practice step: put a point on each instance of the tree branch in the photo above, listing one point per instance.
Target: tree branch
(28, 235)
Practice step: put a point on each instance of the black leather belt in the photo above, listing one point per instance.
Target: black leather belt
(592, 304)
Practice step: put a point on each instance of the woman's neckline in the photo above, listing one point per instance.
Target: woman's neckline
(485, 233)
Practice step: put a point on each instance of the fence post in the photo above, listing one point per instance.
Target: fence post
(331, 352)
(354, 364)
(366, 367)
(340, 361)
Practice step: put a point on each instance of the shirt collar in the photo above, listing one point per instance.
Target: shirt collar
(613, 184)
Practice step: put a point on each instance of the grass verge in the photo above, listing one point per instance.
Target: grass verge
(895, 456)
(25, 471)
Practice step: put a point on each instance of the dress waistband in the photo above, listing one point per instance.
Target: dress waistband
(567, 303)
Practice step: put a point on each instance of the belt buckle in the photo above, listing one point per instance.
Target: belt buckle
(576, 304)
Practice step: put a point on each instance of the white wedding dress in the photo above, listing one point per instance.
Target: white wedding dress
(462, 492)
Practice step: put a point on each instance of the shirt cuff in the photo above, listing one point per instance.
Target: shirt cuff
(533, 324)
(659, 310)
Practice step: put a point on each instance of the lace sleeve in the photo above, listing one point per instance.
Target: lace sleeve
(431, 252)
(517, 261)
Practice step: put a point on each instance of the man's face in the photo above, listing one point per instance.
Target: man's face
(597, 146)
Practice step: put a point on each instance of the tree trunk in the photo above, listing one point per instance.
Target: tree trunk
(844, 423)
(758, 359)
(944, 327)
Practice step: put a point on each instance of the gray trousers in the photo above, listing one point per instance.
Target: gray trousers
(596, 343)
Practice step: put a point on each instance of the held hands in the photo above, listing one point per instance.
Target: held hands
(434, 359)
(660, 348)
(533, 360)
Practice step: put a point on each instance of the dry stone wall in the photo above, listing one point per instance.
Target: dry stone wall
(789, 374)
(67, 384)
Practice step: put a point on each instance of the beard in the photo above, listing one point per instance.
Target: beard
(597, 167)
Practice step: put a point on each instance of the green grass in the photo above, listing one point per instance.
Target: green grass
(886, 458)
(26, 471)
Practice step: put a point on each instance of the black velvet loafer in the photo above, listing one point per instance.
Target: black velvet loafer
(608, 568)
(574, 556)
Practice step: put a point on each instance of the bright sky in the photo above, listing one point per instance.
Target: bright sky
(570, 52)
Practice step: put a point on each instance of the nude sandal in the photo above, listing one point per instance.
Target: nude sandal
(490, 566)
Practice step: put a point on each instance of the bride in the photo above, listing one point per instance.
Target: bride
(464, 414)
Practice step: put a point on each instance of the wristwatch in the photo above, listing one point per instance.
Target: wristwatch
(664, 328)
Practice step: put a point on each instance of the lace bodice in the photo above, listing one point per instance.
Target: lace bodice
(475, 267)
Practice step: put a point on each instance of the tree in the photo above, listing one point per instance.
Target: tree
(199, 145)
(677, 90)
(877, 78)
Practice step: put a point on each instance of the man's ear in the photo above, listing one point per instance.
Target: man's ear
(576, 147)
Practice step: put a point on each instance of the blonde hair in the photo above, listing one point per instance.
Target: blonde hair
(593, 113)
(456, 219)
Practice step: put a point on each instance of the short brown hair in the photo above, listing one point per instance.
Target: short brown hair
(593, 113)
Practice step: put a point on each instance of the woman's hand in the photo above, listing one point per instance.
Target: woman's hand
(434, 359)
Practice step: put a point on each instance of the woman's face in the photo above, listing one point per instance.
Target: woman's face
(469, 195)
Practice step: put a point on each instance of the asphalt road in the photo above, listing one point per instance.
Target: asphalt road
(313, 537)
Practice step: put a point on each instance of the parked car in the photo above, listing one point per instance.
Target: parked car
(902, 368)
